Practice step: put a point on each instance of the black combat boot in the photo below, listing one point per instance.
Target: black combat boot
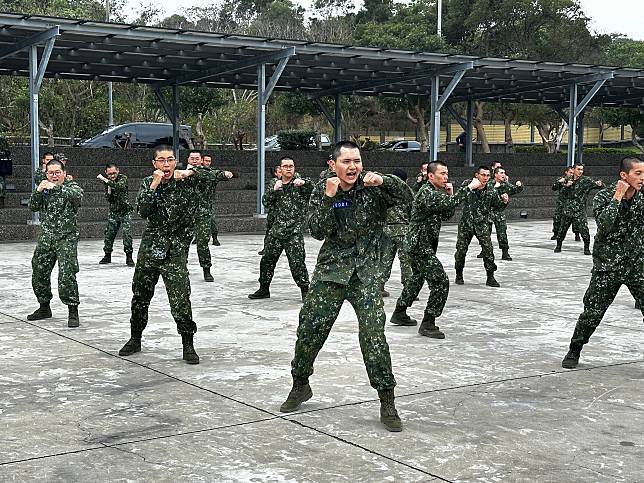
(42, 312)
(480, 255)
(207, 276)
(428, 328)
(189, 354)
(129, 261)
(133, 345)
(400, 317)
(459, 277)
(572, 359)
(577, 237)
(491, 281)
(304, 289)
(505, 255)
(261, 252)
(73, 320)
(300, 392)
(215, 240)
(388, 414)
(553, 237)
(107, 258)
(261, 293)
(383, 292)
(587, 248)
(558, 247)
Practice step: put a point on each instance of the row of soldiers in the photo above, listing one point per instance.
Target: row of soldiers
(348, 211)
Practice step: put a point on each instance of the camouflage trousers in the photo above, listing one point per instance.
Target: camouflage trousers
(391, 245)
(483, 233)
(114, 222)
(426, 268)
(601, 292)
(501, 228)
(556, 222)
(202, 237)
(294, 248)
(318, 314)
(579, 225)
(214, 228)
(47, 253)
(174, 271)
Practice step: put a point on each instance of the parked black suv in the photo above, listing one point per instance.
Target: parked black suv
(138, 135)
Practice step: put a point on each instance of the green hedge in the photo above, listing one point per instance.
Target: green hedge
(542, 149)
(299, 140)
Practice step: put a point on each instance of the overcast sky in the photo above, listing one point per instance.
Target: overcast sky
(614, 16)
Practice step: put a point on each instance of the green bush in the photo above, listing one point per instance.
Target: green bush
(534, 148)
(530, 148)
(298, 140)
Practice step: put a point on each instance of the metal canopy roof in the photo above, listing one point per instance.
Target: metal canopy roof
(89, 50)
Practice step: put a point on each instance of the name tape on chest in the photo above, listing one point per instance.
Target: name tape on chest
(342, 204)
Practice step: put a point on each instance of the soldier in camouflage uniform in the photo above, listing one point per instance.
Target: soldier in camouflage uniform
(203, 215)
(618, 253)
(277, 174)
(287, 199)
(328, 172)
(168, 200)
(556, 217)
(476, 222)
(394, 238)
(421, 178)
(57, 200)
(214, 227)
(505, 189)
(347, 211)
(432, 205)
(575, 190)
(120, 214)
(41, 175)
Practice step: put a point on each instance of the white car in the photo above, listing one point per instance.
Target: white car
(401, 145)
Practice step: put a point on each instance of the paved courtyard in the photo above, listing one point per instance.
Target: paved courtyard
(489, 403)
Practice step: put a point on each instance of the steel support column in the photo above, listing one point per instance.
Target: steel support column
(572, 124)
(469, 161)
(337, 121)
(434, 120)
(176, 146)
(580, 138)
(261, 137)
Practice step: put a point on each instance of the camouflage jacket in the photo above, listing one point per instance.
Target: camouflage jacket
(556, 186)
(574, 196)
(504, 188)
(479, 205)
(351, 224)
(430, 208)
(206, 189)
(327, 173)
(170, 211)
(619, 242)
(287, 207)
(416, 185)
(398, 217)
(116, 195)
(39, 177)
(58, 208)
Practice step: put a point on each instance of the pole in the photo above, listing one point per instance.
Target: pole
(261, 136)
(439, 17)
(110, 104)
(33, 111)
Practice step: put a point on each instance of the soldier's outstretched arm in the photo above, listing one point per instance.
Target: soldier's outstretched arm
(321, 220)
(72, 193)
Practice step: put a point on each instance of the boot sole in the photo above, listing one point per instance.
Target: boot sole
(189, 361)
(432, 335)
(569, 365)
(392, 429)
(412, 323)
(128, 353)
(259, 297)
(495, 285)
(31, 319)
(73, 325)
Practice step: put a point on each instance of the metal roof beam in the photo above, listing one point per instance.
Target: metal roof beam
(29, 41)
(270, 57)
(587, 98)
(404, 77)
(539, 86)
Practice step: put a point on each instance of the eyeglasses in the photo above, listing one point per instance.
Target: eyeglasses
(165, 160)
(287, 166)
(55, 173)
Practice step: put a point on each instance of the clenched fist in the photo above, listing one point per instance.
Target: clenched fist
(372, 179)
(331, 187)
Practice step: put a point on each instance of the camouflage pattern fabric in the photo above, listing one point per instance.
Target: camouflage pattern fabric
(327, 173)
(573, 209)
(204, 214)
(618, 259)
(430, 208)
(475, 222)
(58, 240)
(556, 217)
(170, 213)
(288, 207)
(214, 227)
(39, 177)
(416, 185)
(319, 312)
(394, 238)
(116, 193)
(348, 268)
(498, 213)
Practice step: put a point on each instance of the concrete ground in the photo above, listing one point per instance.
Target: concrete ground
(489, 403)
